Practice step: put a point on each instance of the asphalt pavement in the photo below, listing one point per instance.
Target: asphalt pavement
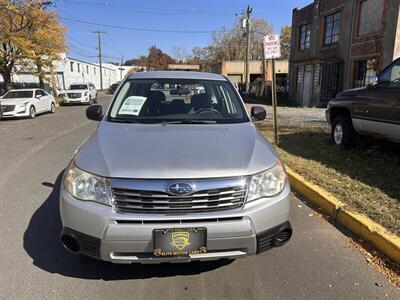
(318, 263)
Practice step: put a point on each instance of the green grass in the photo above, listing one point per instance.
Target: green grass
(366, 178)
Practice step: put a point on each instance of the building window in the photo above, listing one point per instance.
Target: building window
(364, 72)
(79, 68)
(370, 17)
(332, 28)
(87, 69)
(71, 66)
(305, 36)
(94, 70)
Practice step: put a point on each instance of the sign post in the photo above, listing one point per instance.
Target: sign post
(272, 50)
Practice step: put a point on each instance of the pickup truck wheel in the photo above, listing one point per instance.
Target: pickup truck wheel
(342, 133)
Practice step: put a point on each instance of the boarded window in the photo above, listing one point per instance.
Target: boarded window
(370, 16)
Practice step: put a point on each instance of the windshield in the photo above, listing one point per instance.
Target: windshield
(179, 100)
(78, 87)
(18, 94)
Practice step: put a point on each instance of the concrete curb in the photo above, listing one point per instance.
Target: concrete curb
(359, 224)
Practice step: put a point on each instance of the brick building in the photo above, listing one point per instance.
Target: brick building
(340, 44)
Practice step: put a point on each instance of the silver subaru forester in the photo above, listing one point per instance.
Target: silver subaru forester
(176, 171)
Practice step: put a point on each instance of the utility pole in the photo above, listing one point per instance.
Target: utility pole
(98, 32)
(120, 68)
(247, 18)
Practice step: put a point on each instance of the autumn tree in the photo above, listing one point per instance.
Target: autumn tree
(140, 61)
(14, 42)
(286, 38)
(49, 42)
(180, 54)
(201, 56)
(230, 44)
(30, 37)
(158, 60)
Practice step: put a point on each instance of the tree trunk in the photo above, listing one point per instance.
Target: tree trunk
(6, 74)
(40, 74)
(53, 82)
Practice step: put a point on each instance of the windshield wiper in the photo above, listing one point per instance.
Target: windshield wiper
(189, 121)
(117, 120)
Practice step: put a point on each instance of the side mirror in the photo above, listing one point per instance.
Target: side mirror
(94, 112)
(258, 113)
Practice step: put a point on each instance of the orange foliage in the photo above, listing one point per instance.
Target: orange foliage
(30, 37)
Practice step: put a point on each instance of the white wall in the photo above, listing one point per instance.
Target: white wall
(88, 72)
(85, 72)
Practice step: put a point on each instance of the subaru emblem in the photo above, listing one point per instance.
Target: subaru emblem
(180, 188)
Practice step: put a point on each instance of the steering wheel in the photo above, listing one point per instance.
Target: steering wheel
(205, 111)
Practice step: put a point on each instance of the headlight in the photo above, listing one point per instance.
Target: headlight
(267, 183)
(86, 186)
(22, 105)
(85, 94)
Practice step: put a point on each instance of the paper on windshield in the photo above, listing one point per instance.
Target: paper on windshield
(132, 105)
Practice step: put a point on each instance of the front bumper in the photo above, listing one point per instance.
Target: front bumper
(84, 99)
(126, 238)
(17, 113)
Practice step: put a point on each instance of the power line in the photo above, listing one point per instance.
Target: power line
(79, 42)
(152, 11)
(143, 29)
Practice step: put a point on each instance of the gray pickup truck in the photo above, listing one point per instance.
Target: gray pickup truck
(373, 110)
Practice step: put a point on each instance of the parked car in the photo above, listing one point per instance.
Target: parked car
(26, 103)
(373, 110)
(80, 93)
(174, 180)
(113, 87)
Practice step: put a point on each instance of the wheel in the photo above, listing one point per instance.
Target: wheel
(32, 112)
(343, 132)
(52, 108)
(90, 100)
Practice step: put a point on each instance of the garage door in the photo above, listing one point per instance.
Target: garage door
(235, 78)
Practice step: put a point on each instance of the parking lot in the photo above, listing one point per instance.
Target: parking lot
(318, 262)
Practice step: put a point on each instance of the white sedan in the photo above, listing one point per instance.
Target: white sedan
(26, 103)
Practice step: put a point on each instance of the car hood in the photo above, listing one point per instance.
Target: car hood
(175, 151)
(350, 92)
(14, 101)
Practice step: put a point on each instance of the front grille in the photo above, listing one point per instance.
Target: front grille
(139, 201)
(74, 95)
(8, 108)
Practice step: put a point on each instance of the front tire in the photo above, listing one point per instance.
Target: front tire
(32, 112)
(343, 133)
(52, 108)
